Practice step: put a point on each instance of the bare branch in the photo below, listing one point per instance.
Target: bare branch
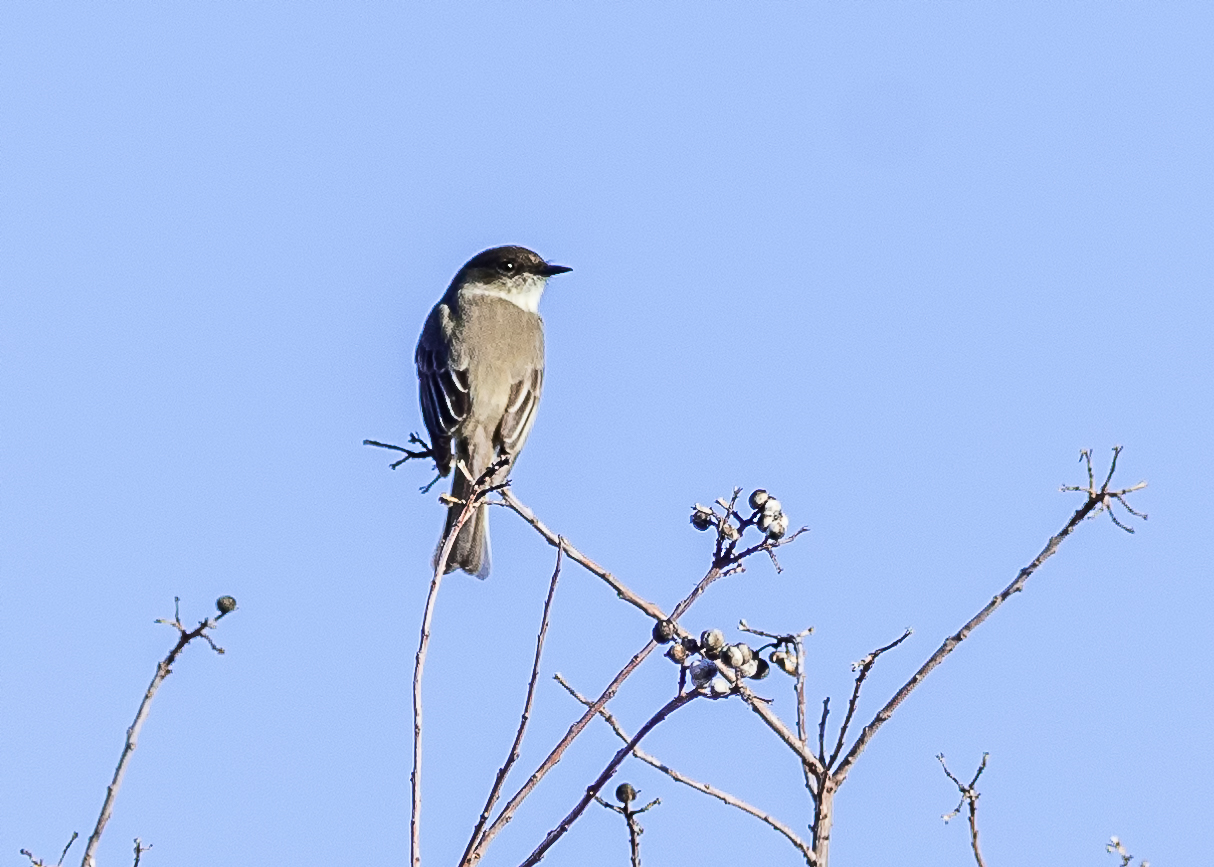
(864, 666)
(513, 755)
(163, 669)
(779, 638)
(1103, 494)
(822, 729)
(802, 719)
(409, 454)
(622, 590)
(559, 831)
(508, 811)
(38, 862)
(479, 488)
(63, 854)
(1095, 499)
(969, 796)
(679, 777)
(798, 746)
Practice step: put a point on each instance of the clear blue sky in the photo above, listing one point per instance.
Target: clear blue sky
(897, 262)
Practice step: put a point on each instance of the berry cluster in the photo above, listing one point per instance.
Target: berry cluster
(766, 513)
(714, 652)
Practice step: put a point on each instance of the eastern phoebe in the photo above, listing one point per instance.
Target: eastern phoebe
(480, 370)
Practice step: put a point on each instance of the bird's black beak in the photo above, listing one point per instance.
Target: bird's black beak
(552, 270)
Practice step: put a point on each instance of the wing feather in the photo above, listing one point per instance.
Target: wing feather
(444, 398)
(520, 412)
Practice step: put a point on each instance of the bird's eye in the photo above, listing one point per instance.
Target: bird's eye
(506, 267)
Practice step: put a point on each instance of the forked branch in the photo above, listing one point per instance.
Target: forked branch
(1098, 500)
(679, 777)
(969, 798)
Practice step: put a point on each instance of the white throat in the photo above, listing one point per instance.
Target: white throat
(525, 294)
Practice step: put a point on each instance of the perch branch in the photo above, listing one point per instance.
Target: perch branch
(479, 488)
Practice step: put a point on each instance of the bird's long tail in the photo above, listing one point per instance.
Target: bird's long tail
(470, 550)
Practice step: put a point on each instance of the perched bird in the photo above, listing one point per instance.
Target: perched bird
(480, 370)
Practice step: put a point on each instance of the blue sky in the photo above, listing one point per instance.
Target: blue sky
(897, 262)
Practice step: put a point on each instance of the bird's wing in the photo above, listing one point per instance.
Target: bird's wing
(520, 411)
(443, 389)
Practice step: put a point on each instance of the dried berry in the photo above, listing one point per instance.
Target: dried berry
(701, 517)
(785, 661)
(664, 631)
(737, 655)
(758, 498)
(702, 672)
(225, 604)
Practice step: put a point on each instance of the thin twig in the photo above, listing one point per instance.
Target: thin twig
(139, 850)
(864, 666)
(593, 789)
(419, 663)
(163, 669)
(513, 755)
(634, 827)
(414, 439)
(678, 776)
(1095, 499)
(63, 854)
(803, 722)
(969, 796)
(822, 729)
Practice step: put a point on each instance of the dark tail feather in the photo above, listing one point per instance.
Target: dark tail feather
(470, 551)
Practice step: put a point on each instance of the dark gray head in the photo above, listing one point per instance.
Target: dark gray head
(499, 263)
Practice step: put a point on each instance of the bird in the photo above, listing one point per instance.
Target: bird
(480, 372)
